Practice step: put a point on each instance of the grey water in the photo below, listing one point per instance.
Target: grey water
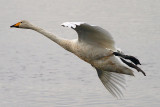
(35, 72)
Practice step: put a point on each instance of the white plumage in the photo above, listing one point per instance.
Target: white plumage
(95, 46)
(72, 24)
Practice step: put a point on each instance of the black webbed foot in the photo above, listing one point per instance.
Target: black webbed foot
(131, 58)
(133, 66)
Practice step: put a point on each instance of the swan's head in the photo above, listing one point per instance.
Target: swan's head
(22, 24)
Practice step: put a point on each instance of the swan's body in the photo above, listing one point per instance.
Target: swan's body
(95, 46)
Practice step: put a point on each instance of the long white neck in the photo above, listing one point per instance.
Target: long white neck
(66, 44)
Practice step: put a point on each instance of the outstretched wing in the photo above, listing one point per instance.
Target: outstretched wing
(93, 35)
(114, 82)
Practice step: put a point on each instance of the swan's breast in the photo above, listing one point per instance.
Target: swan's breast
(87, 52)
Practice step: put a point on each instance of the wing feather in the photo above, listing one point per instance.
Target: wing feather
(114, 82)
(93, 35)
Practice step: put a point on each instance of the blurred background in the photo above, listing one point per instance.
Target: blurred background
(35, 72)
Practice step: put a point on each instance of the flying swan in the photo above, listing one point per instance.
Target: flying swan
(96, 47)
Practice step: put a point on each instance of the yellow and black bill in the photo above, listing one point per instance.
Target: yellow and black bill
(16, 25)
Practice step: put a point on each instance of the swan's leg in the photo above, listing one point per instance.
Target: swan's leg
(133, 66)
(131, 58)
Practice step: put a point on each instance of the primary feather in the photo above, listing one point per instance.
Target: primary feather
(114, 83)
